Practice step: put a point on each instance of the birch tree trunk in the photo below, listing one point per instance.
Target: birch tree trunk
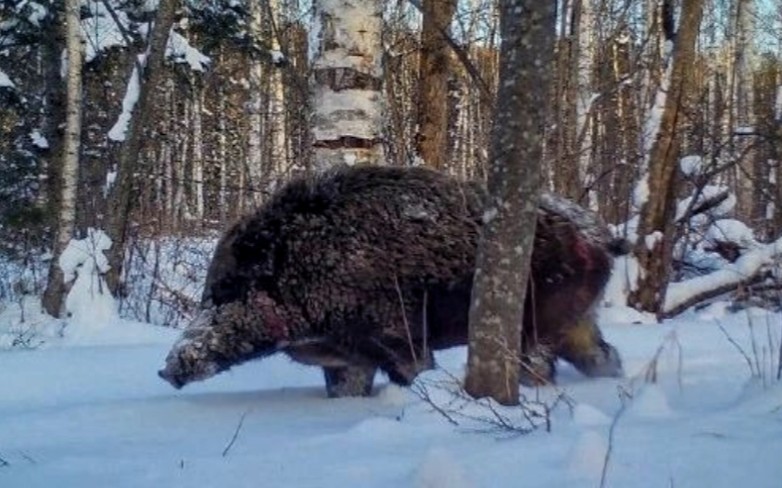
(53, 300)
(149, 80)
(278, 153)
(740, 109)
(347, 118)
(347, 82)
(503, 262)
(656, 229)
(255, 105)
(433, 72)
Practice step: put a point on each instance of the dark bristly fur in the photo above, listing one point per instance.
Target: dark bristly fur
(371, 267)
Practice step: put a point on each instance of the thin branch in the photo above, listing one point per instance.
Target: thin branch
(624, 397)
(739, 348)
(236, 433)
(464, 59)
(124, 32)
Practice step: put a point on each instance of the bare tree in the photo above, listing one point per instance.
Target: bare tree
(53, 298)
(149, 80)
(347, 81)
(502, 268)
(654, 248)
(433, 72)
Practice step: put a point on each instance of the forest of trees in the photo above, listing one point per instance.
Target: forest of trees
(169, 119)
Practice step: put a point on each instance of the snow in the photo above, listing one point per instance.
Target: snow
(38, 139)
(181, 51)
(89, 303)
(120, 127)
(38, 12)
(730, 274)
(691, 165)
(652, 239)
(708, 192)
(641, 192)
(732, 230)
(278, 58)
(5, 81)
(93, 413)
(100, 31)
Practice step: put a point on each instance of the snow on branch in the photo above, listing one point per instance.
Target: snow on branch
(5, 81)
(180, 51)
(745, 270)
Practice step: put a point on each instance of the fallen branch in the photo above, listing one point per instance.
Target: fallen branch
(747, 269)
(697, 207)
(708, 294)
(236, 433)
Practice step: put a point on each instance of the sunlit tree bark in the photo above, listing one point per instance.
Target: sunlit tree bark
(654, 247)
(433, 72)
(503, 262)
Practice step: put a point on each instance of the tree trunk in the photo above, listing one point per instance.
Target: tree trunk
(433, 72)
(149, 80)
(347, 119)
(256, 105)
(656, 229)
(347, 82)
(53, 300)
(502, 268)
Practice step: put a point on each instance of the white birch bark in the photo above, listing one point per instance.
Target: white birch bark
(255, 111)
(346, 82)
(279, 150)
(56, 289)
(198, 155)
(587, 51)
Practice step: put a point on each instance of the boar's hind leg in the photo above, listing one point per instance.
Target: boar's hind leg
(396, 357)
(583, 346)
(349, 381)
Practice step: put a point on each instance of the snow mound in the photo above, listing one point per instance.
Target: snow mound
(589, 416)
(650, 402)
(587, 456)
(89, 302)
(440, 469)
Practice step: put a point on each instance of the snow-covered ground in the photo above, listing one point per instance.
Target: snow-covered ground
(90, 411)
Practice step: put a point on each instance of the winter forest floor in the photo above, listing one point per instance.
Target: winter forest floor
(88, 410)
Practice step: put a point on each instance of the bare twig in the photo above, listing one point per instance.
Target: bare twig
(779, 362)
(625, 397)
(739, 348)
(236, 433)
(27, 457)
(406, 323)
(423, 393)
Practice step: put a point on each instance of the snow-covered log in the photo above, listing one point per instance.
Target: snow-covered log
(745, 270)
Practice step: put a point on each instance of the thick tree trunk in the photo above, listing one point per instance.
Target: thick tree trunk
(656, 230)
(502, 268)
(149, 80)
(433, 72)
(347, 81)
(53, 300)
